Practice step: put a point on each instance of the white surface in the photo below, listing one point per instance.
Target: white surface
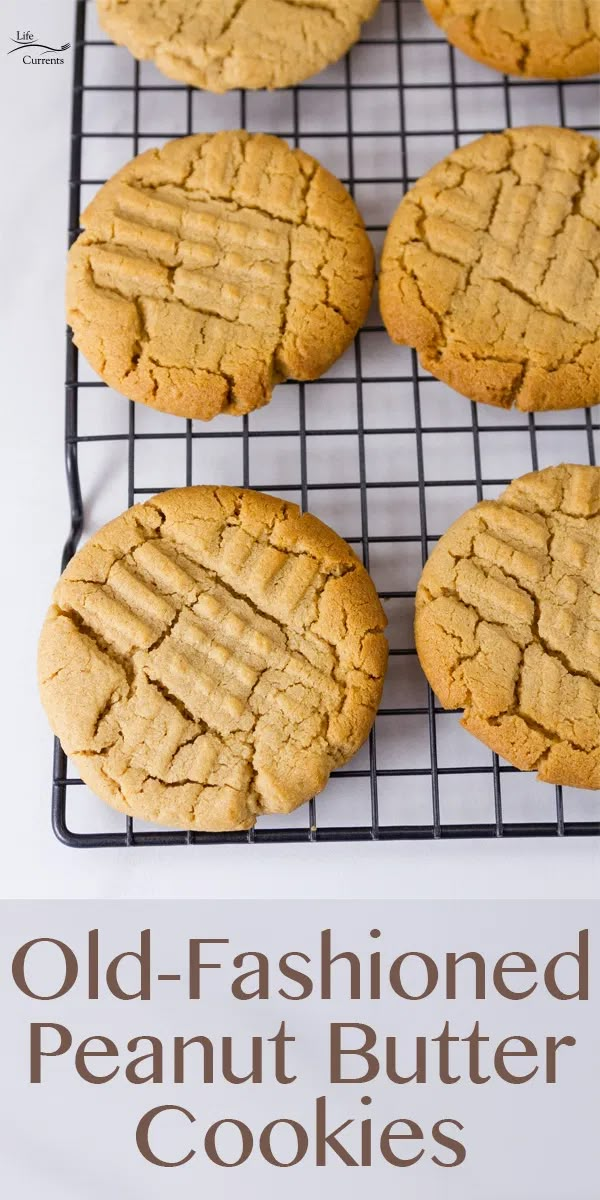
(34, 217)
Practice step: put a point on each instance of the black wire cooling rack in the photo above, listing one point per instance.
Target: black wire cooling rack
(399, 101)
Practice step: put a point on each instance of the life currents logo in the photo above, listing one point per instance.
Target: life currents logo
(35, 52)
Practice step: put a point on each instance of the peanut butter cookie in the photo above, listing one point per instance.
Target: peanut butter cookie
(223, 44)
(490, 270)
(551, 39)
(212, 269)
(212, 655)
(508, 623)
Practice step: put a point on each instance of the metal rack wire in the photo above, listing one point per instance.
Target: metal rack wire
(414, 783)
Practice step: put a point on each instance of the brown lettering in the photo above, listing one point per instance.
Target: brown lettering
(502, 1053)
(452, 961)
(502, 968)
(337, 1052)
(210, 1143)
(83, 1052)
(415, 1134)
(301, 1142)
(582, 958)
(552, 1047)
(155, 1056)
(143, 1131)
(35, 1048)
(143, 958)
(396, 975)
(288, 972)
(179, 1047)
(70, 965)
(448, 1143)
(261, 971)
(327, 962)
(196, 965)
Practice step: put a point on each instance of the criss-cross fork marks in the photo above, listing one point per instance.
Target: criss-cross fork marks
(491, 269)
(207, 647)
(213, 269)
(510, 600)
(204, 662)
(208, 256)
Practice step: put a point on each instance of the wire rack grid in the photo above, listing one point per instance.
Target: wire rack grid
(378, 448)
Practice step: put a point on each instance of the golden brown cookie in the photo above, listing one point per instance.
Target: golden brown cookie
(551, 39)
(507, 623)
(212, 655)
(490, 270)
(214, 268)
(223, 44)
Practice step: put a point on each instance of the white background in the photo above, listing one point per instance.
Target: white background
(36, 110)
